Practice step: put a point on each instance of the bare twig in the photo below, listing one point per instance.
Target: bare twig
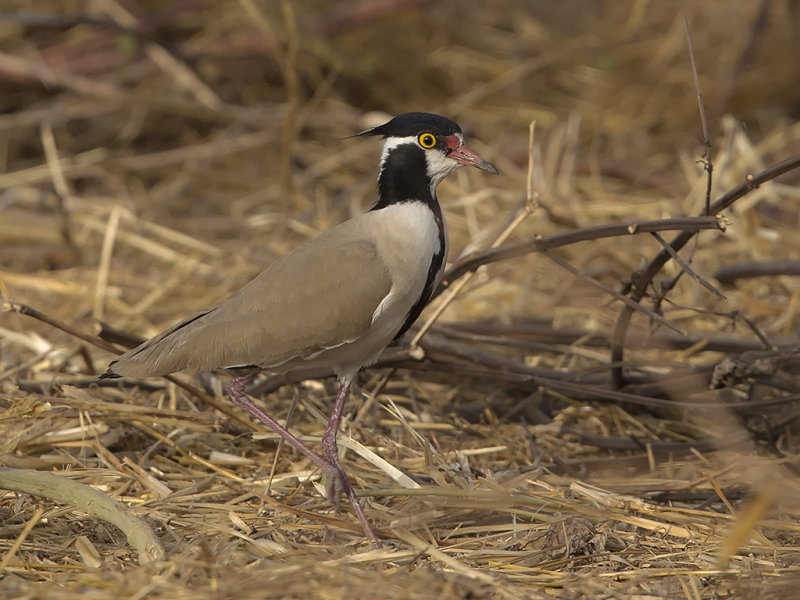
(708, 165)
(685, 266)
(621, 297)
(485, 257)
(728, 274)
(24, 309)
(750, 183)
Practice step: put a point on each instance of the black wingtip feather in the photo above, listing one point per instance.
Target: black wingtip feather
(109, 375)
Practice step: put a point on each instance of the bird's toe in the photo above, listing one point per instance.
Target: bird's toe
(334, 488)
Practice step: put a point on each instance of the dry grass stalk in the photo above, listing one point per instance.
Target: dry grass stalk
(153, 163)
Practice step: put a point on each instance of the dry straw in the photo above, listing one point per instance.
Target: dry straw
(605, 402)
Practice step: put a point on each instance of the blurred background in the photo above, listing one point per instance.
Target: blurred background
(156, 155)
(227, 122)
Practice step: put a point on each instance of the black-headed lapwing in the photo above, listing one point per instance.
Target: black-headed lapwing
(336, 300)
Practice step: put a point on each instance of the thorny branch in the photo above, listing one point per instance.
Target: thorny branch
(476, 260)
(643, 278)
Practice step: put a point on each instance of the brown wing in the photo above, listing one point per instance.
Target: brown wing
(319, 296)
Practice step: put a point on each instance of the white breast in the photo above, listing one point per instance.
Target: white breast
(407, 238)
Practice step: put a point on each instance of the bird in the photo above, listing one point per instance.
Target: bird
(338, 299)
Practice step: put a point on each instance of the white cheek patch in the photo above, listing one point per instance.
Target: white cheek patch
(439, 167)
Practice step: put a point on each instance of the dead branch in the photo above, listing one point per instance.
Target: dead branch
(473, 261)
(644, 278)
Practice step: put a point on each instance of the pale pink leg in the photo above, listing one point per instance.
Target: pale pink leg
(331, 452)
(335, 477)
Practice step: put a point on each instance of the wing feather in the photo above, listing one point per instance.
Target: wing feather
(319, 296)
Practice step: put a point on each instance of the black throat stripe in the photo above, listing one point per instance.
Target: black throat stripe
(404, 177)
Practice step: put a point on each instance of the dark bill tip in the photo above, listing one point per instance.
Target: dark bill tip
(464, 155)
(488, 167)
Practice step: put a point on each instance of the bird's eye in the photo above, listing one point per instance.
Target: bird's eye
(427, 140)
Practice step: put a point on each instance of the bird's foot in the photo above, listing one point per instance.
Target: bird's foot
(335, 487)
(338, 484)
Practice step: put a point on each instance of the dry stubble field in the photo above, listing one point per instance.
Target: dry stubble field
(589, 417)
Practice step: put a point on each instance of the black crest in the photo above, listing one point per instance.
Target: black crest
(412, 123)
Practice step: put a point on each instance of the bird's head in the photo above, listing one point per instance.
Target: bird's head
(418, 140)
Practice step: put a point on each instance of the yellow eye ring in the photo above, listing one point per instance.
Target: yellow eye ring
(427, 140)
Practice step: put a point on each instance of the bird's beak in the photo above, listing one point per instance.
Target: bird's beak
(464, 156)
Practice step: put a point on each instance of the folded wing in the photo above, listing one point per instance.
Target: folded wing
(319, 296)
